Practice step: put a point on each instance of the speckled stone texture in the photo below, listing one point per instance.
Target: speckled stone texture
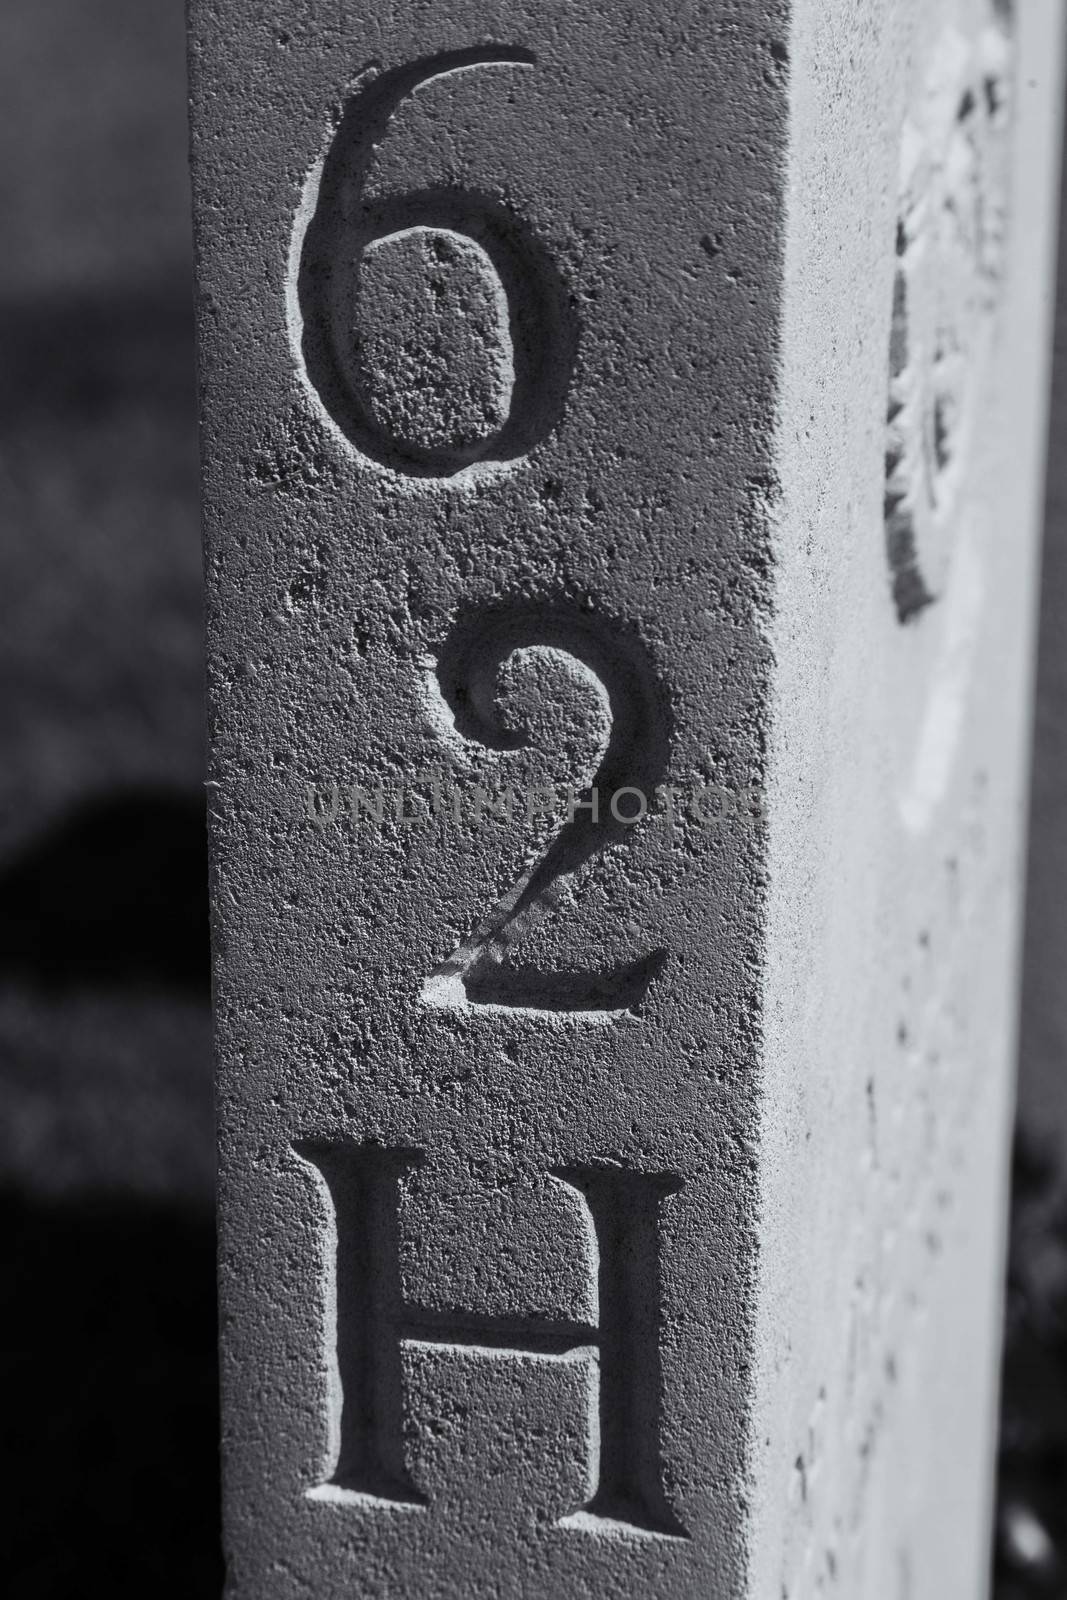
(618, 664)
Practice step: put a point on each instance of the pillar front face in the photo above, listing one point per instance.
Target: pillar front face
(488, 305)
(504, 374)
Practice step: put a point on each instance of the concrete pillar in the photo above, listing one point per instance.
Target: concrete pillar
(622, 428)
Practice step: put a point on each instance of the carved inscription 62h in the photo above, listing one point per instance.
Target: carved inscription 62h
(433, 328)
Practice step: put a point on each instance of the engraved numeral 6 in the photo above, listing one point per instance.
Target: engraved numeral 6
(432, 325)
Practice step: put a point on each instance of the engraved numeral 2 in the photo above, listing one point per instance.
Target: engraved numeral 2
(469, 671)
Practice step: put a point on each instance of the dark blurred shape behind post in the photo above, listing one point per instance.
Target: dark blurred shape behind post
(107, 1359)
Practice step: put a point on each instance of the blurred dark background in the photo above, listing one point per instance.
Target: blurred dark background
(1031, 1550)
(107, 1348)
(107, 1321)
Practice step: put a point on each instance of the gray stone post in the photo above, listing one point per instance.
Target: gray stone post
(621, 434)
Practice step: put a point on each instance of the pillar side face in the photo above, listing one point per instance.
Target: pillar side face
(907, 556)
(489, 321)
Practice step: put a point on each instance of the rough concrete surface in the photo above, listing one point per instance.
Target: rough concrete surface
(898, 766)
(611, 1201)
